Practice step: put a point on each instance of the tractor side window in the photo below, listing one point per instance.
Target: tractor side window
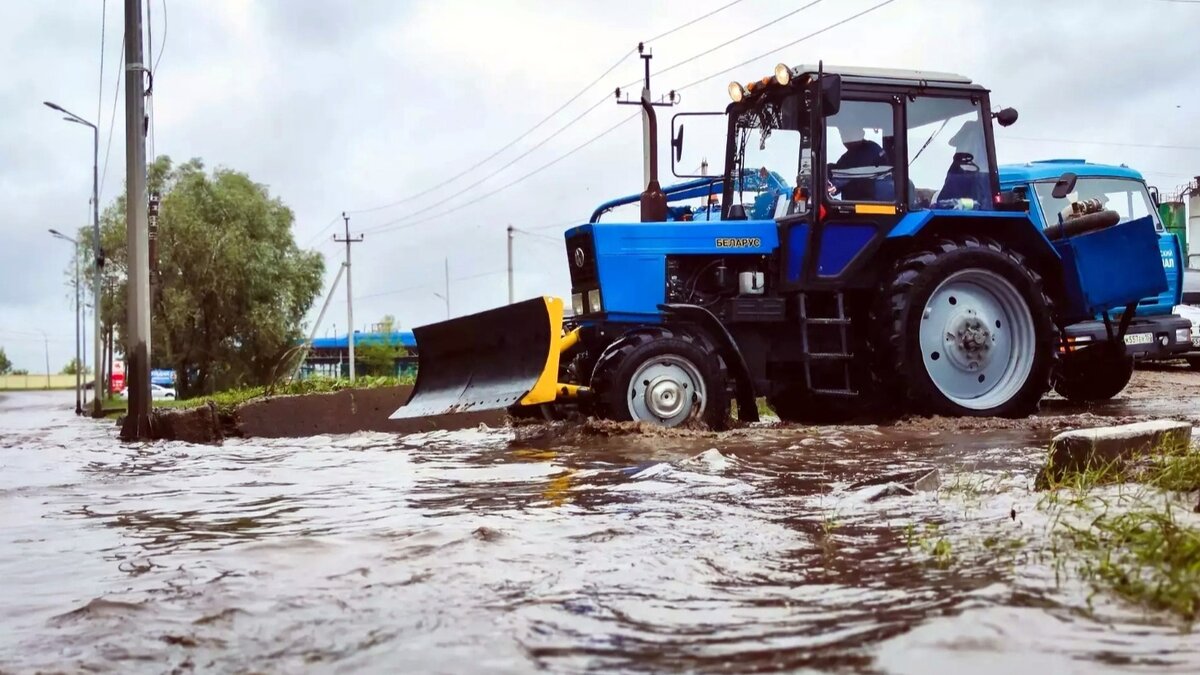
(860, 146)
(948, 166)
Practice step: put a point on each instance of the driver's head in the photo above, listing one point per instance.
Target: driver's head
(851, 134)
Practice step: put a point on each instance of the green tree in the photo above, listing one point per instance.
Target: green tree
(378, 357)
(73, 366)
(231, 288)
(5, 364)
(20, 371)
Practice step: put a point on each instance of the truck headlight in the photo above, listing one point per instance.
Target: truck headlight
(594, 300)
(1183, 335)
(577, 304)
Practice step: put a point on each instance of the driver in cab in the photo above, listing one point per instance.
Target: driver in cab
(859, 153)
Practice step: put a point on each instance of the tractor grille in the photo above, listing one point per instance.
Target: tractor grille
(581, 258)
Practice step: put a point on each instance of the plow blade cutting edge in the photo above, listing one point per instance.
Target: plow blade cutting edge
(487, 361)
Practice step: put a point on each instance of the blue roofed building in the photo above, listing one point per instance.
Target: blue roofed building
(330, 356)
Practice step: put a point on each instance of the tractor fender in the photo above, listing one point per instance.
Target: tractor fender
(719, 335)
(1014, 229)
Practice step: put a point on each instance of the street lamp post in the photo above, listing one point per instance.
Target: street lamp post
(78, 340)
(97, 253)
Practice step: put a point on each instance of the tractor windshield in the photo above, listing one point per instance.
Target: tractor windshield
(767, 156)
(1127, 196)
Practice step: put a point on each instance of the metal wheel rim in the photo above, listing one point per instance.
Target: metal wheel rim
(977, 339)
(666, 390)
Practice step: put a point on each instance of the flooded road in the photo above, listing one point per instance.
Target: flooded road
(569, 549)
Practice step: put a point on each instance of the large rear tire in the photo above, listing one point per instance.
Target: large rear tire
(662, 376)
(967, 331)
(1094, 374)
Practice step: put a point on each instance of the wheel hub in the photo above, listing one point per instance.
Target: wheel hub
(666, 390)
(969, 340)
(665, 397)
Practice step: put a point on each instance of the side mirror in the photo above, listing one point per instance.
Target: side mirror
(1064, 186)
(1154, 197)
(709, 141)
(830, 94)
(1006, 117)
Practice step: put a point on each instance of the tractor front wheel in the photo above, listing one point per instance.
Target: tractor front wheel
(1094, 374)
(967, 330)
(665, 377)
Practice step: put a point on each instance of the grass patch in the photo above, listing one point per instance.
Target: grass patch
(229, 400)
(1144, 555)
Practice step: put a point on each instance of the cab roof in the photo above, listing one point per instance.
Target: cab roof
(895, 75)
(1051, 169)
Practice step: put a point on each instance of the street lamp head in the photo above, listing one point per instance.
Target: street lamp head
(53, 106)
(55, 232)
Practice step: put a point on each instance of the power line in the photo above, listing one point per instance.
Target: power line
(508, 145)
(790, 44)
(393, 226)
(528, 233)
(323, 230)
(112, 121)
(748, 33)
(162, 44)
(100, 89)
(543, 121)
(409, 289)
(1110, 143)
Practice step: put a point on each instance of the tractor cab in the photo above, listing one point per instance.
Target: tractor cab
(862, 148)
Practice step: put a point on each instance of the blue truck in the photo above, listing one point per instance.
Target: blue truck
(1093, 367)
(855, 251)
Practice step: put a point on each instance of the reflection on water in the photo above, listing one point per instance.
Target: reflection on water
(473, 550)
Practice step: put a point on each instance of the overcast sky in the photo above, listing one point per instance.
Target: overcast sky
(353, 105)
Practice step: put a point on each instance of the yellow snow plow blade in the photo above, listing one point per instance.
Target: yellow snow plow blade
(488, 361)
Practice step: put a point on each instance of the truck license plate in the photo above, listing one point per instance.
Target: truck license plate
(1139, 339)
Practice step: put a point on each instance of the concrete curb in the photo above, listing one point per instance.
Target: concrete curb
(1111, 448)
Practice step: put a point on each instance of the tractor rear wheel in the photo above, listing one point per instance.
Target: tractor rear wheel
(967, 330)
(662, 376)
(1098, 376)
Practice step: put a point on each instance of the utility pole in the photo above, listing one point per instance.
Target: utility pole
(137, 343)
(653, 202)
(46, 344)
(349, 289)
(320, 317)
(78, 309)
(510, 274)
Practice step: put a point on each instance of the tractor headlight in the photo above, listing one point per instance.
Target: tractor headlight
(783, 74)
(1183, 335)
(577, 304)
(594, 300)
(736, 92)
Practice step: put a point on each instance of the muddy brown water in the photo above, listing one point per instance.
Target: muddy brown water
(501, 550)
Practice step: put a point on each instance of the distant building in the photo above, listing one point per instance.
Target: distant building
(330, 356)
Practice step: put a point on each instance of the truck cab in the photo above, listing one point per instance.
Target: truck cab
(1155, 332)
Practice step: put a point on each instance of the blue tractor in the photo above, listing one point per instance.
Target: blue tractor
(855, 251)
